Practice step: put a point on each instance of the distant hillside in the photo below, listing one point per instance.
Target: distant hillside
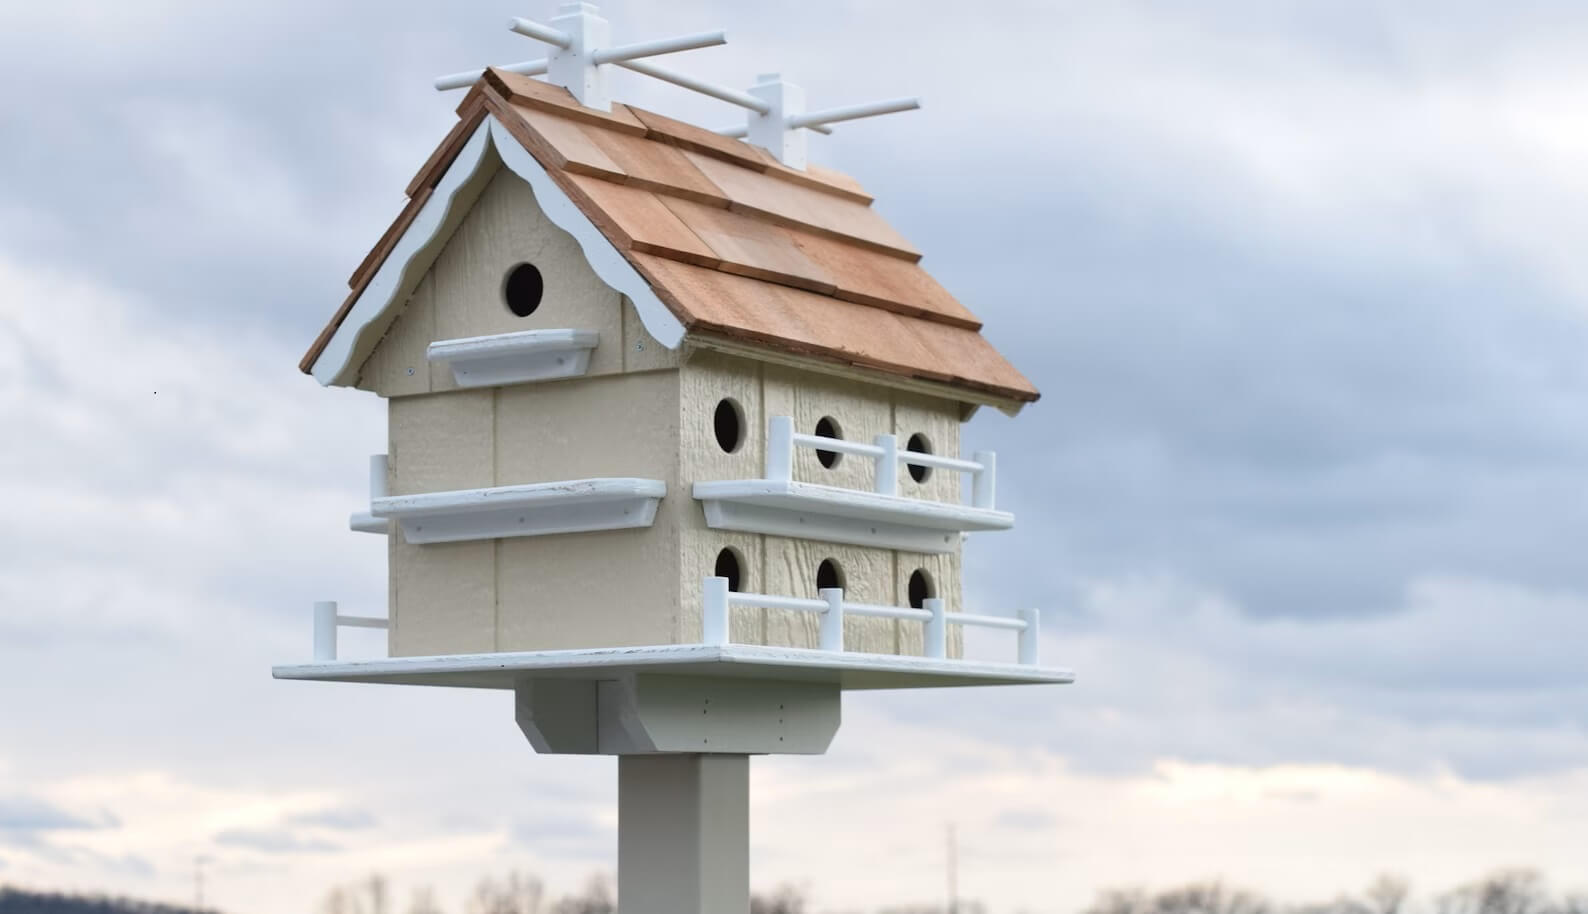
(17, 901)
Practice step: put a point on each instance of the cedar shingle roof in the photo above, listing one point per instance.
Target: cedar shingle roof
(736, 244)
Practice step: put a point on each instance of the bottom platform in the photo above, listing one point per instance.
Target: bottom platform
(849, 670)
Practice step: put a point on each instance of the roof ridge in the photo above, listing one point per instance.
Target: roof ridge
(516, 88)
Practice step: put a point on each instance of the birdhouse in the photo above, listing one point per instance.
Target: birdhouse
(674, 443)
(654, 386)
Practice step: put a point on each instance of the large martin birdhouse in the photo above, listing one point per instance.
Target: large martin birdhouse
(626, 358)
(674, 449)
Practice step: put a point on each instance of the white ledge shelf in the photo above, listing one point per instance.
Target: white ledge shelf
(810, 511)
(516, 358)
(539, 509)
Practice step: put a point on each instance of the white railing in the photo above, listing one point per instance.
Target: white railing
(781, 441)
(363, 521)
(719, 601)
(326, 622)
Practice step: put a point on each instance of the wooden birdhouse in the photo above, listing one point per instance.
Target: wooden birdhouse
(651, 385)
(674, 443)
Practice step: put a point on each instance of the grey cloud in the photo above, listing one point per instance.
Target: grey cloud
(341, 818)
(25, 816)
(1021, 819)
(567, 836)
(273, 841)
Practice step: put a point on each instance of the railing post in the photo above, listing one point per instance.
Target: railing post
(325, 630)
(984, 483)
(832, 630)
(1030, 635)
(378, 468)
(714, 621)
(936, 636)
(888, 465)
(780, 448)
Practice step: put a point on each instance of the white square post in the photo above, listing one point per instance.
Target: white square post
(575, 66)
(935, 635)
(770, 129)
(715, 615)
(683, 834)
(780, 448)
(831, 634)
(325, 630)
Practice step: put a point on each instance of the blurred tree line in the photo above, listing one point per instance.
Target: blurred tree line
(1514, 891)
(19, 901)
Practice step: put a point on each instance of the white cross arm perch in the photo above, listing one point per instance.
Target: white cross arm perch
(819, 120)
(581, 52)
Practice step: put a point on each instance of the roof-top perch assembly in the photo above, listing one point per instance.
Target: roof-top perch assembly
(581, 50)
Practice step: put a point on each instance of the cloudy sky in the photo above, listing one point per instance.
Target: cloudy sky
(1305, 501)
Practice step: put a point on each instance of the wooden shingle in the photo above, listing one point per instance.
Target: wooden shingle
(739, 246)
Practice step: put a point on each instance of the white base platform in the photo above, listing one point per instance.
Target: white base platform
(810, 511)
(737, 661)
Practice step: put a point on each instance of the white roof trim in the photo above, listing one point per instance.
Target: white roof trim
(418, 246)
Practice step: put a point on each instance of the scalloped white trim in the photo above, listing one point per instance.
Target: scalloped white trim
(416, 249)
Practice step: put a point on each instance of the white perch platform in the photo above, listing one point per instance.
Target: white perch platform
(537, 509)
(514, 358)
(849, 670)
(781, 506)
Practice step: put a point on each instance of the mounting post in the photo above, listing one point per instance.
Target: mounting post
(683, 834)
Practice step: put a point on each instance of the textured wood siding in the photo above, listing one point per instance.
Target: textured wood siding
(461, 296)
(786, 566)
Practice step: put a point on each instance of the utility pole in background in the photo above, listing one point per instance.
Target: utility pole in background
(198, 883)
(953, 872)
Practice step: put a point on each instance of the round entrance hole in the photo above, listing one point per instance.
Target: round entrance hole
(829, 575)
(728, 566)
(827, 427)
(522, 289)
(921, 588)
(920, 445)
(728, 424)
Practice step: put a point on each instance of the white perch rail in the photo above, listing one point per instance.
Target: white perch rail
(719, 601)
(782, 440)
(326, 622)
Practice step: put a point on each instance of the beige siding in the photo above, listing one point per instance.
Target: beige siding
(641, 351)
(443, 597)
(397, 367)
(607, 589)
(600, 589)
(938, 421)
(944, 572)
(781, 565)
(461, 296)
(709, 379)
(506, 228)
(442, 442)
